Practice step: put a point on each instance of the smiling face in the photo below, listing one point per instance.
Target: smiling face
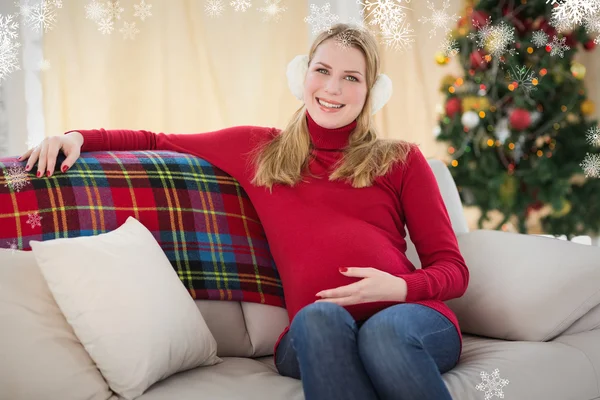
(335, 88)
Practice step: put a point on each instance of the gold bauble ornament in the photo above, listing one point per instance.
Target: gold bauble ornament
(566, 208)
(441, 58)
(587, 107)
(578, 70)
(475, 103)
(447, 81)
(462, 31)
(572, 118)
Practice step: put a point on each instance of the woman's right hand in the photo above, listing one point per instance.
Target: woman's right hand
(46, 153)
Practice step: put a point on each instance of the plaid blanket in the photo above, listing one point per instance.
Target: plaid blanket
(200, 216)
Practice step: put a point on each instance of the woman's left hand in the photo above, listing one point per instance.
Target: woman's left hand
(376, 285)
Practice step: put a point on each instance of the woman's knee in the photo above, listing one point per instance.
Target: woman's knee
(318, 315)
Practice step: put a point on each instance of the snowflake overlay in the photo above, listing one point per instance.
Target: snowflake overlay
(214, 8)
(34, 219)
(12, 246)
(321, 19)
(492, 384)
(16, 177)
(449, 47)
(539, 39)
(8, 46)
(593, 136)
(344, 40)
(129, 30)
(113, 10)
(142, 10)
(591, 165)
(574, 12)
(439, 18)
(524, 78)
(241, 5)
(400, 38)
(272, 10)
(40, 16)
(494, 38)
(44, 65)
(558, 46)
(387, 14)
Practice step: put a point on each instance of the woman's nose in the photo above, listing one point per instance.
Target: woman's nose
(332, 87)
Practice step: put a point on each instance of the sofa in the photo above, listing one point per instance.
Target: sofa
(530, 318)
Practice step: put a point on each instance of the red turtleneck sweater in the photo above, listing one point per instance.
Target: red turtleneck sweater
(318, 226)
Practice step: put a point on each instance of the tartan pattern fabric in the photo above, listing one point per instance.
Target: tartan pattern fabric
(201, 217)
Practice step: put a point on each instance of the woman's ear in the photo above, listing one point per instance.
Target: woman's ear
(296, 74)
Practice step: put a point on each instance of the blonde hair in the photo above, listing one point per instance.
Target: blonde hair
(284, 158)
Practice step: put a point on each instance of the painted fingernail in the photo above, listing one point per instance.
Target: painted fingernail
(39, 174)
(47, 173)
(343, 269)
(64, 168)
(27, 168)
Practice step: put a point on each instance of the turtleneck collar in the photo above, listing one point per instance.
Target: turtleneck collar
(329, 139)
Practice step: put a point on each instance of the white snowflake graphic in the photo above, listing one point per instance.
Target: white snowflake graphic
(9, 27)
(129, 30)
(41, 16)
(449, 47)
(34, 219)
(524, 78)
(321, 19)
(142, 10)
(214, 8)
(9, 60)
(574, 11)
(344, 40)
(272, 10)
(591, 165)
(389, 15)
(439, 18)
(539, 38)
(558, 46)
(492, 384)
(495, 39)
(593, 136)
(44, 65)
(12, 245)
(106, 26)
(24, 8)
(95, 11)
(113, 9)
(400, 38)
(57, 3)
(16, 177)
(241, 5)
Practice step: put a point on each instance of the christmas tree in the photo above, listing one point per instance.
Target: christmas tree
(517, 124)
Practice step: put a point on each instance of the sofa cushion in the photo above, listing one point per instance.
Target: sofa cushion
(127, 306)
(525, 287)
(40, 356)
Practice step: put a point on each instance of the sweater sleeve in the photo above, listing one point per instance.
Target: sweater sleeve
(443, 274)
(223, 148)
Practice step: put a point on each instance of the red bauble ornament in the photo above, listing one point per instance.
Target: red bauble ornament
(453, 106)
(520, 119)
(589, 45)
(477, 59)
(548, 29)
(479, 18)
(571, 40)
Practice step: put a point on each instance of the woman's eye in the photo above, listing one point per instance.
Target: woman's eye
(352, 79)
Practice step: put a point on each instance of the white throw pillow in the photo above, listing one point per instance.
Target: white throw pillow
(525, 287)
(127, 306)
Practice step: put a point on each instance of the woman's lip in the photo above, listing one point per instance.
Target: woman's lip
(330, 102)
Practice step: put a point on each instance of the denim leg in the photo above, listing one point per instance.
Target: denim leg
(405, 348)
(321, 349)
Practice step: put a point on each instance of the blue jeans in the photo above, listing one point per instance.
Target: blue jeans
(399, 353)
